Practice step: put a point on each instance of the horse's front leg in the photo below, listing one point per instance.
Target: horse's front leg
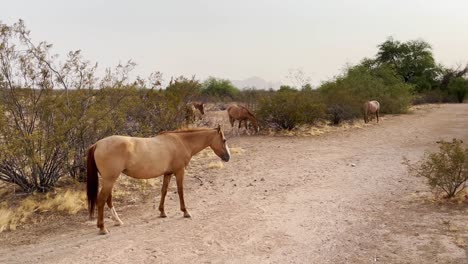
(167, 179)
(180, 190)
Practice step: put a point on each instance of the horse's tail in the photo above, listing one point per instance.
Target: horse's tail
(92, 183)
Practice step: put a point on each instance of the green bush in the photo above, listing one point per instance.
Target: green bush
(458, 87)
(288, 109)
(447, 169)
(219, 89)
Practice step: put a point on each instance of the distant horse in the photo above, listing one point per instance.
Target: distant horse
(370, 108)
(191, 109)
(144, 158)
(241, 113)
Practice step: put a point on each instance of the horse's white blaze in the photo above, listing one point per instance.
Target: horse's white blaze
(227, 149)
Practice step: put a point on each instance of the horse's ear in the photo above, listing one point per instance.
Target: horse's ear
(219, 128)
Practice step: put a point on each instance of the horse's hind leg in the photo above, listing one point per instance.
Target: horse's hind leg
(115, 216)
(377, 115)
(167, 179)
(106, 190)
(180, 190)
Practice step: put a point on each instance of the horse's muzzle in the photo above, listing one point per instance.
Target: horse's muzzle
(226, 157)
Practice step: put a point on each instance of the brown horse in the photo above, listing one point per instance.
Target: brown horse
(370, 108)
(241, 113)
(191, 109)
(144, 158)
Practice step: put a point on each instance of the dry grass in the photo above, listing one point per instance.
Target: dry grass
(423, 107)
(66, 201)
(5, 218)
(321, 128)
(70, 202)
(460, 242)
(215, 165)
(236, 151)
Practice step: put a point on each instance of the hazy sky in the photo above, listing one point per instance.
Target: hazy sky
(238, 39)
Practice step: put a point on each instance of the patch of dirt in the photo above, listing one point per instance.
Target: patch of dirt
(341, 197)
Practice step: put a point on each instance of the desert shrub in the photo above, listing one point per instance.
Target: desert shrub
(251, 97)
(447, 169)
(458, 88)
(432, 97)
(51, 111)
(341, 103)
(184, 89)
(287, 109)
(148, 112)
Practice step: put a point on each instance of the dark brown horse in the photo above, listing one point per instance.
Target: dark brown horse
(144, 158)
(370, 108)
(191, 111)
(241, 113)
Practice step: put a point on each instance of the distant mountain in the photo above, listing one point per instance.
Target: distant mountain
(256, 82)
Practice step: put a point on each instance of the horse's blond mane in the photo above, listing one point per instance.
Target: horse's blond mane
(186, 130)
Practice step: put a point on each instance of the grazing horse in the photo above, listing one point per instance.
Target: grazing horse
(191, 109)
(371, 107)
(144, 158)
(241, 113)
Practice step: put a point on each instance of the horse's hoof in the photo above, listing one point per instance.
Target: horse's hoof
(187, 215)
(104, 231)
(118, 223)
(163, 216)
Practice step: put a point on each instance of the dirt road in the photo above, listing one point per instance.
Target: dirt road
(340, 198)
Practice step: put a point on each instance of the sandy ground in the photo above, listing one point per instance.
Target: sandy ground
(284, 200)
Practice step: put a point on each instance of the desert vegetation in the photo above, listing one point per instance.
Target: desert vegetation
(446, 171)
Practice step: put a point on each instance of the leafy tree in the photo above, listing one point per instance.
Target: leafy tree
(286, 88)
(219, 88)
(412, 60)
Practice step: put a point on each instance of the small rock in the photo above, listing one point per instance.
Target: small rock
(353, 165)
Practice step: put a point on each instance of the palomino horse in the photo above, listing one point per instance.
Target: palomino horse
(370, 108)
(191, 109)
(144, 158)
(241, 113)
